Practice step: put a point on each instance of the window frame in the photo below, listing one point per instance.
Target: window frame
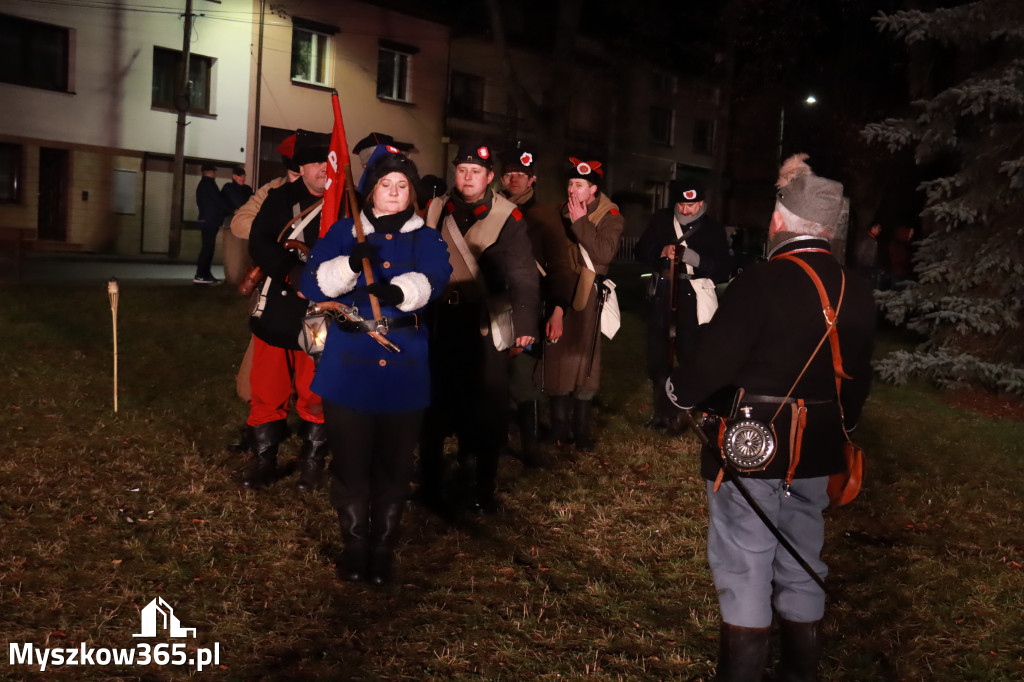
(396, 72)
(321, 54)
(668, 140)
(32, 49)
(704, 133)
(194, 58)
(475, 111)
(10, 189)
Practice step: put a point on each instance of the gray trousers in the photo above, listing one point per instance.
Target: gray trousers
(752, 571)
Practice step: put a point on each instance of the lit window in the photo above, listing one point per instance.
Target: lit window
(166, 72)
(661, 125)
(33, 54)
(393, 72)
(309, 56)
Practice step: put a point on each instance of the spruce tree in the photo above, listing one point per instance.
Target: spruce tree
(968, 139)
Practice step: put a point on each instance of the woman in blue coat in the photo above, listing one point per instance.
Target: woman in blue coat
(374, 399)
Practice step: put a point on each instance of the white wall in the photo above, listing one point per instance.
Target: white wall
(112, 75)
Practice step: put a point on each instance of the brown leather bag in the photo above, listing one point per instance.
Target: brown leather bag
(845, 485)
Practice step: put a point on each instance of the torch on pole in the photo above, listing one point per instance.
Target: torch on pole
(112, 292)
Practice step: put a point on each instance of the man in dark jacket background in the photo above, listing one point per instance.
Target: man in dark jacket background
(686, 250)
(763, 339)
(213, 207)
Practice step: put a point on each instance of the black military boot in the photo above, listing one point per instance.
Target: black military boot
(801, 651)
(311, 457)
(560, 419)
(384, 525)
(528, 437)
(742, 653)
(265, 440)
(354, 519)
(581, 427)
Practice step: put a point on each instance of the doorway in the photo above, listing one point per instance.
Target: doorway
(54, 165)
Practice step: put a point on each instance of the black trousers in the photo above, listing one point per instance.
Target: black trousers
(374, 454)
(469, 397)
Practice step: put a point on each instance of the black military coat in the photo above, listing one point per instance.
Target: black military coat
(281, 321)
(704, 236)
(766, 327)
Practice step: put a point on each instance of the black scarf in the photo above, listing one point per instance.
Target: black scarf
(392, 222)
(466, 214)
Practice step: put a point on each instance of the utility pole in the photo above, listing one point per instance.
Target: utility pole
(183, 101)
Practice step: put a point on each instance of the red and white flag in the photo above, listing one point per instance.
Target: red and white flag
(337, 161)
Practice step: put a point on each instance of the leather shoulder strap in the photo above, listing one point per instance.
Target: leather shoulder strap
(830, 315)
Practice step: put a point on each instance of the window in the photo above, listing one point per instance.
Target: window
(33, 54)
(660, 125)
(703, 136)
(166, 72)
(467, 96)
(394, 64)
(310, 49)
(10, 173)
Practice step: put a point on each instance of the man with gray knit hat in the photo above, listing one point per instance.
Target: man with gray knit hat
(768, 338)
(688, 254)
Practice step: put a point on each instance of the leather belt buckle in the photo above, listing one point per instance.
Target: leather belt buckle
(382, 325)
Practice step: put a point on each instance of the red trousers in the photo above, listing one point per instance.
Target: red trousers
(276, 374)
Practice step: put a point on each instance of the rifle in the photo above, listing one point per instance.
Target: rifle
(672, 312)
(602, 296)
(340, 311)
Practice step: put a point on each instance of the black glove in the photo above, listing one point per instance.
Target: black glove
(386, 293)
(360, 251)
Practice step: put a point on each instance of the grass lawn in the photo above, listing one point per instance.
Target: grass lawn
(596, 568)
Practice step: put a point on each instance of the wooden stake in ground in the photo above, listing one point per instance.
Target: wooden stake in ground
(112, 292)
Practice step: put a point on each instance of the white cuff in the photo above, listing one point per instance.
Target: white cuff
(416, 288)
(335, 277)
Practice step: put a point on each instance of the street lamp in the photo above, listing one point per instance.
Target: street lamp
(810, 100)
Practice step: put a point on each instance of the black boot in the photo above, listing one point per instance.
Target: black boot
(311, 457)
(742, 653)
(529, 452)
(478, 474)
(801, 651)
(560, 419)
(265, 440)
(355, 526)
(581, 426)
(384, 525)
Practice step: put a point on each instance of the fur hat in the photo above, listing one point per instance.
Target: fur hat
(311, 147)
(390, 162)
(807, 195)
(686, 191)
(474, 152)
(591, 171)
(519, 161)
